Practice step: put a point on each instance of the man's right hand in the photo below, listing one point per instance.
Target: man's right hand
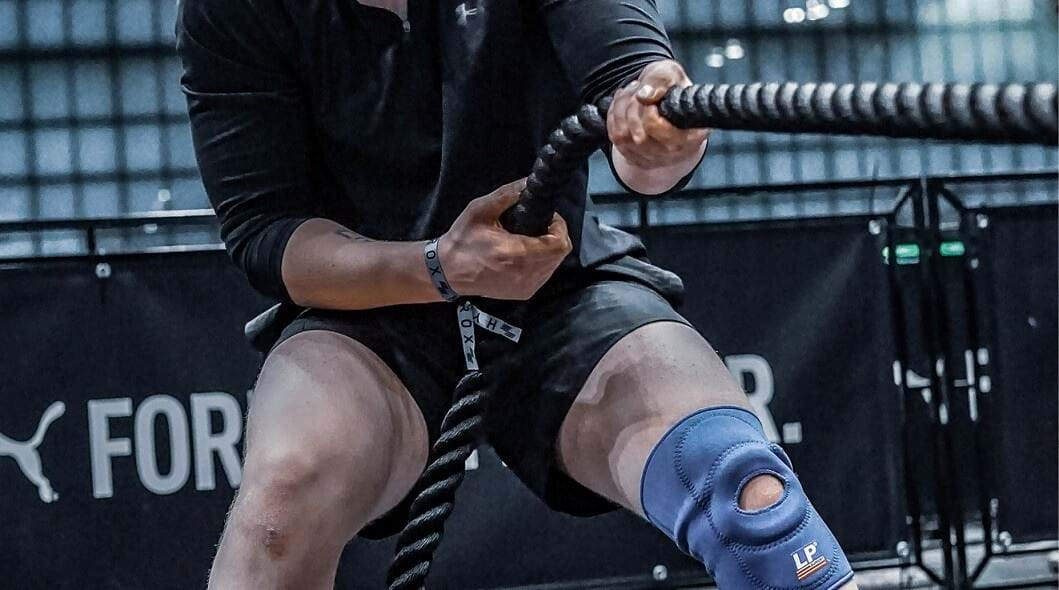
(480, 258)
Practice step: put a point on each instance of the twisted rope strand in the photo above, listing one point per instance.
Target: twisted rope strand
(435, 493)
(1010, 113)
(567, 149)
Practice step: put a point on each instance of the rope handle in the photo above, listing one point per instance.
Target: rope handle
(983, 113)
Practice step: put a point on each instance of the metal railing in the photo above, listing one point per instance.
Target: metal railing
(195, 230)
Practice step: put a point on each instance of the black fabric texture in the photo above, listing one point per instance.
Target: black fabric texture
(327, 108)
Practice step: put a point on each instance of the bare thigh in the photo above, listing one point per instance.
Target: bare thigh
(331, 397)
(334, 440)
(646, 383)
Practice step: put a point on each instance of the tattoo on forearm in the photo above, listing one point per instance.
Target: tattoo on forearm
(353, 236)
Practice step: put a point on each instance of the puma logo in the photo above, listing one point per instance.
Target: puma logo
(27, 457)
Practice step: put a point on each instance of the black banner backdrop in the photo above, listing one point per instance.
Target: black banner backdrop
(1005, 384)
(131, 391)
(151, 356)
(1025, 288)
(807, 301)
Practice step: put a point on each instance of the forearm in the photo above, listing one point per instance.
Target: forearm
(603, 45)
(654, 181)
(327, 266)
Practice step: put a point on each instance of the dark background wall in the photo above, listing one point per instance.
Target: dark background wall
(145, 356)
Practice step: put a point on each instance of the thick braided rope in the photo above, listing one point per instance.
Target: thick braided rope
(566, 150)
(1012, 113)
(435, 494)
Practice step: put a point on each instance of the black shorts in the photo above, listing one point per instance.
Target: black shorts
(567, 328)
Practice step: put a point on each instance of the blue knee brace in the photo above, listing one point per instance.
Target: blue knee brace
(691, 488)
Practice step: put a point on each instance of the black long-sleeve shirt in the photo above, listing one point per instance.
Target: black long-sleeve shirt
(327, 108)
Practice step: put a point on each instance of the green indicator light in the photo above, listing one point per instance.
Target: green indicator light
(906, 254)
(907, 251)
(953, 249)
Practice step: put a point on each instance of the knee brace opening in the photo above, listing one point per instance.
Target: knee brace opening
(755, 528)
(761, 491)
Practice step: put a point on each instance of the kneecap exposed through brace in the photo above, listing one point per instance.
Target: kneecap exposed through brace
(691, 489)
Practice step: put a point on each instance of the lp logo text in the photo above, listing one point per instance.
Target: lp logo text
(806, 563)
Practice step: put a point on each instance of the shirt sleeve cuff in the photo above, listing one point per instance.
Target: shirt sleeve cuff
(262, 259)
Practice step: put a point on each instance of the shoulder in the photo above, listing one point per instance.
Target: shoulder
(255, 33)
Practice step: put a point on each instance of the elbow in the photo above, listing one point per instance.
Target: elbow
(259, 256)
(259, 271)
(295, 291)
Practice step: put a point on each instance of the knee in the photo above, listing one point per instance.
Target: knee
(731, 499)
(761, 492)
(295, 476)
(287, 494)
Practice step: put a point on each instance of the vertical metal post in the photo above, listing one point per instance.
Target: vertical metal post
(908, 395)
(943, 359)
(119, 119)
(898, 324)
(91, 242)
(28, 123)
(939, 412)
(978, 400)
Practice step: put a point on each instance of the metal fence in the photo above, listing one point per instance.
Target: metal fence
(29, 240)
(92, 121)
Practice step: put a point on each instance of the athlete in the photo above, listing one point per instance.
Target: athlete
(337, 140)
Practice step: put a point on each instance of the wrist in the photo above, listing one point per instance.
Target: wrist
(432, 258)
(402, 274)
(659, 179)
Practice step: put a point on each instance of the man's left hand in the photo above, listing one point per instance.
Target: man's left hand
(637, 129)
